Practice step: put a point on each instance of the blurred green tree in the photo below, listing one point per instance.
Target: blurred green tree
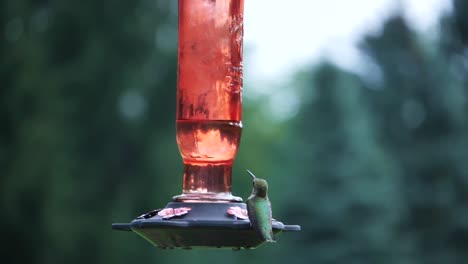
(85, 125)
(382, 156)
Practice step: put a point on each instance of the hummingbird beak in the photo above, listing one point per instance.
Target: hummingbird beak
(251, 174)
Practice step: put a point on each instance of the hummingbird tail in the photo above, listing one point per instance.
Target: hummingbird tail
(272, 237)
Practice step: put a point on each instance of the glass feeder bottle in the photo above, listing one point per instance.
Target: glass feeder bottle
(209, 93)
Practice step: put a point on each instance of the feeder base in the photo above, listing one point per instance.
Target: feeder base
(208, 197)
(204, 225)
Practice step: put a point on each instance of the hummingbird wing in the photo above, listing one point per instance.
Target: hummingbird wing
(259, 211)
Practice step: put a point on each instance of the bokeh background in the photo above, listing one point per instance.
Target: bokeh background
(371, 161)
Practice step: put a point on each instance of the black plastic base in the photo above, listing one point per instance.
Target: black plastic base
(205, 225)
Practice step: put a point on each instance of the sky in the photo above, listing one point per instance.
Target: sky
(282, 36)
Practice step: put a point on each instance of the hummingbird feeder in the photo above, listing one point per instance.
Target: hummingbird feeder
(208, 132)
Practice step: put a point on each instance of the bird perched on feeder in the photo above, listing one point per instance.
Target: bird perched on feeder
(259, 209)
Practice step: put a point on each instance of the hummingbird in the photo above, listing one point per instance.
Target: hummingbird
(259, 209)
